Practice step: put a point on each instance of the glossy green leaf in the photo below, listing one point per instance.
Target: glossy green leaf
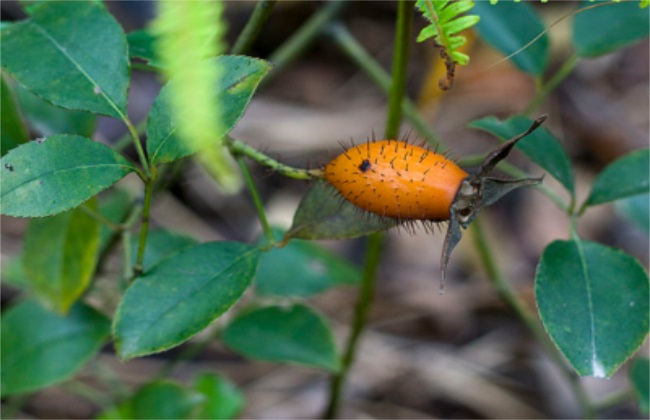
(637, 210)
(73, 54)
(540, 146)
(161, 244)
(233, 92)
(222, 399)
(324, 214)
(604, 29)
(640, 379)
(12, 128)
(164, 400)
(46, 119)
(509, 27)
(182, 295)
(141, 45)
(625, 177)
(302, 268)
(48, 176)
(40, 348)
(594, 303)
(60, 256)
(295, 334)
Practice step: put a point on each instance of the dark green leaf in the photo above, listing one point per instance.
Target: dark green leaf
(164, 400)
(60, 256)
(594, 303)
(604, 29)
(540, 146)
(222, 399)
(509, 27)
(324, 214)
(233, 92)
(625, 177)
(637, 210)
(71, 53)
(296, 334)
(640, 378)
(46, 119)
(40, 348)
(12, 128)
(302, 269)
(141, 45)
(181, 295)
(161, 244)
(48, 176)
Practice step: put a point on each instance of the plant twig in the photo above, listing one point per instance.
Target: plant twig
(253, 27)
(259, 206)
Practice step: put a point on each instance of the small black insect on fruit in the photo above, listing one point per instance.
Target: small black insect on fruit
(365, 165)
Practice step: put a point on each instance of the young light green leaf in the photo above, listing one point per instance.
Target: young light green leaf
(296, 334)
(234, 91)
(49, 176)
(604, 29)
(182, 295)
(323, 214)
(160, 245)
(60, 256)
(12, 128)
(594, 303)
(73, 54)
(40, 348)
(509, 27)
(540, 146)
(640, 378)
(222, 399)
(625, 177)
(302, 268)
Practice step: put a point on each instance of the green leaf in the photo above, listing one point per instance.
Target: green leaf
(604, 29)
(295, 334)
(509, 27)
(637, 210)
(48, 176)
(46, 119)
(141, 46)
(222, 399)
(160, 245)
(164, 400)
(594, 303)
(60, 256)
(640, 378)
(324, 214)
(234, 92)
(182, 295)
(12, 128)
(302, 268)
(73, 54)
(540, 146)
(40, 348)
(625, 177)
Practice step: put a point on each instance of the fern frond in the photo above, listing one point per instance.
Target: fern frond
(446, 23)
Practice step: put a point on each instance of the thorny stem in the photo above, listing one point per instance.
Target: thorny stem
(259, 206)
(253, 27)
(526, 315)
(375, 240)
(546, 88)
(355, 51)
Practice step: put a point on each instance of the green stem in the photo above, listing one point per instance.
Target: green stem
(253, 27)
(524, 312)
(259, 206)
(138, 147)
(300, 40)
(126, 139)
(144, 228)
(375, 240)
(237, 147)
(101, 218)
(355, 51)
(546, 88)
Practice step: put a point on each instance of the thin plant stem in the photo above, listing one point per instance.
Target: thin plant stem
(300, 40)
(546, 88)
(238, 147)
(138, 147)
(524, 313)
(124, 141)
(253, 27)
(375, 240)
(259, 206)
(355, 51)
(127, 266)
(101, 218)
(144, 228)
